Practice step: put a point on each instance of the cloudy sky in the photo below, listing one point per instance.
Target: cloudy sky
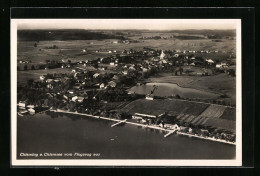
(151, 24)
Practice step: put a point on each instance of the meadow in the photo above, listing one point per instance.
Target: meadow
(221, 83)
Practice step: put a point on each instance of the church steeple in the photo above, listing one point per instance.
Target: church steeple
(162, 55)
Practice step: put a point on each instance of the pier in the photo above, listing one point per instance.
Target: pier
(171, 132)
(123, 121)
(146, 126)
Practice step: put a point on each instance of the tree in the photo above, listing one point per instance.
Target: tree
(35, 44)
(32, 67)
(95, 65)
(30, 82)
(177, 96)
(25, 67)
(18, 68)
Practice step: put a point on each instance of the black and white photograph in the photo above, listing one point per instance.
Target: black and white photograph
(126, 92)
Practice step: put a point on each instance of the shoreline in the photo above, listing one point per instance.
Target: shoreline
(146, 126)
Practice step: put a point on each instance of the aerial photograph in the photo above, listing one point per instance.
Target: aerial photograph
(126, 89)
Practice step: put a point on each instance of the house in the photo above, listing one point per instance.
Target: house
(30, 106)
(80, 99)
(149, 97)
(42, 77)
(21, 104)
(112, 84)
(222, 65)
(56, 80)
(96, 75)
(102, 86)
(71, 91)
(49, 86)
(75, 98)
(145, 69)
(125, 72)
(49, 80)
(31, 110)
(112, 63)
(147, 116)
(164, 61)
(210, 61)
(115, 77)
(175, 127)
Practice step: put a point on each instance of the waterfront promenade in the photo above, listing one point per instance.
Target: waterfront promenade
(146, 126)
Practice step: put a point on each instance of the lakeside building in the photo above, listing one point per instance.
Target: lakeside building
(222, 65)
(146, 116)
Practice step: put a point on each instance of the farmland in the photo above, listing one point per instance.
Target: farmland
(24, 76)
(194, 113)
(220, 83)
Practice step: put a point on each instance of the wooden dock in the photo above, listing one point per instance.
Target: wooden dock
(168, 134)
(123, 121)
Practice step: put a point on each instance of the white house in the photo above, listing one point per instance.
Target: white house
(125, 72)
(210, 61)
(71, 92)
(30, 106)
(80, 99)
(74, 98)
(102, 86)
(112, 63)
(21, 104)
(222, 65)
(42, 77)
(49, 86)
(96, 75)
(112, 84)
(49, 80)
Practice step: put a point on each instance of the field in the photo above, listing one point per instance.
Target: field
(24, 76)
(74, 48)
(221, 83)
(195, 113)
(157, 107)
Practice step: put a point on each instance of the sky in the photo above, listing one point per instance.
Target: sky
(117, 24)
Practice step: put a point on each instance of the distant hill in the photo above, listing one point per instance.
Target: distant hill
(222, 33)
(38, 35)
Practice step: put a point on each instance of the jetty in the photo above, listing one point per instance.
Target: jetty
(123, 121)
(168, 134)
(146, 126)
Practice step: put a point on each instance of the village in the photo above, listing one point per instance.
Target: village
(100, 87)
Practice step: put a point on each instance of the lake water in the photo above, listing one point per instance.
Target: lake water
(168, 89)
(60, 133)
